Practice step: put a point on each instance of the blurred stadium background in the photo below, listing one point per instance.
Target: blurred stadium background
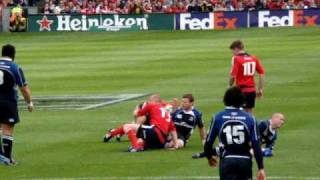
(65, 143)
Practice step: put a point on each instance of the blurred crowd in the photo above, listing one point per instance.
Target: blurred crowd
(159, 6)
(168, 6)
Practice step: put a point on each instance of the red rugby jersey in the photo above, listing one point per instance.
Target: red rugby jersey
(244, 67)
(159, 116)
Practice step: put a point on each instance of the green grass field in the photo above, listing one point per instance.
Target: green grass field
(68, 144)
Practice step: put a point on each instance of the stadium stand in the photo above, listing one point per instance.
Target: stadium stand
(168, 6)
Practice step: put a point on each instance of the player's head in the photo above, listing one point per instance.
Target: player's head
(8, 51)
(155, 98)
(237, 46)
(187, 101)
(277, 120)
(233, 97)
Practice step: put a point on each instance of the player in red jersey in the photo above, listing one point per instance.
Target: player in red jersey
(244, 68)
(153, 135)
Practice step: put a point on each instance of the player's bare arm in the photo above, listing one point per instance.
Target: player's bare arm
(231, 80)
(175, 140)
(26, 93)
(261, 85)
(203, 135)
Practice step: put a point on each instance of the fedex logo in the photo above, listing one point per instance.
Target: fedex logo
(222, 22)
(301, 18)
(195, 21)
(266, 20)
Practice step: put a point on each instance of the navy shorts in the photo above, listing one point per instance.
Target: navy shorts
(150, 136)
(9, 113)
(235, 169)
(250, 99)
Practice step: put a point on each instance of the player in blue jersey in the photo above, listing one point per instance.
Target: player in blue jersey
(11, 76)
(186, 119)
(237, 133)
(268, 133)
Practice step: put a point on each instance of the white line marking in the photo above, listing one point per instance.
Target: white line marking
(125, 98)
(79, 102)
(165, 177)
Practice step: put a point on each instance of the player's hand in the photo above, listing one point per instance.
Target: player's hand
(259, 93)
(212, 162)
(267, 152)
(30, 107)
(261, 175)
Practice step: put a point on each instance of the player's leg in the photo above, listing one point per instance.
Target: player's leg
(7, 143)
(245, 169)
(228, 169)
(112, 133)
(150, 135)
(116, 132)
(131, 131)
(170, 144)
(8, 118)
(250, 101)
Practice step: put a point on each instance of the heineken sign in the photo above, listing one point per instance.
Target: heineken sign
(38, 23)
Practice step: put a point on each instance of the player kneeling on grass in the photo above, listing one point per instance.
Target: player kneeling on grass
(186, 119)
(268, 133)
(237, 133)
(152, 136)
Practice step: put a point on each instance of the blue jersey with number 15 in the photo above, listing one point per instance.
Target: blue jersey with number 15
(237, 133)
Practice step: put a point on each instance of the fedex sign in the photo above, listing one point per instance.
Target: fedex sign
(197, 21)
(205, 21)
(306, 18)
(288, 18)
(268, 19)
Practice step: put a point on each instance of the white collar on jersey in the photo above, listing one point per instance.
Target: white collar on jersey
(5, 58)
(273, 131)
(230, 107)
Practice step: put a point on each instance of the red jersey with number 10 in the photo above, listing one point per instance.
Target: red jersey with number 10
(243, 70)
(159, 116)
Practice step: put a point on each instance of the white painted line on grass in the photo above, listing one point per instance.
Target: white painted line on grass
(126, 98)
(167, 177)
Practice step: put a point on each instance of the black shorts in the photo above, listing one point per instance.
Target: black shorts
(235, 169)
(183, 138)
(250, 99)
(9, 112)
(150, 136)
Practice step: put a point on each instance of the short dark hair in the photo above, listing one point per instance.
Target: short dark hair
(9, 51)
(237, 44)
(233, 97)
(188, 96)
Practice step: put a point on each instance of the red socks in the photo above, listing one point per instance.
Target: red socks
(134, 140)
(118, 131)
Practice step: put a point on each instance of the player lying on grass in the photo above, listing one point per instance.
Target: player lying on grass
(153, 136)
(186, 119)
(268, 132)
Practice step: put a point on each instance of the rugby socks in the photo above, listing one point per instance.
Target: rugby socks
(1, 147)
(133, 138)
(118, 131)
(7, 142)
